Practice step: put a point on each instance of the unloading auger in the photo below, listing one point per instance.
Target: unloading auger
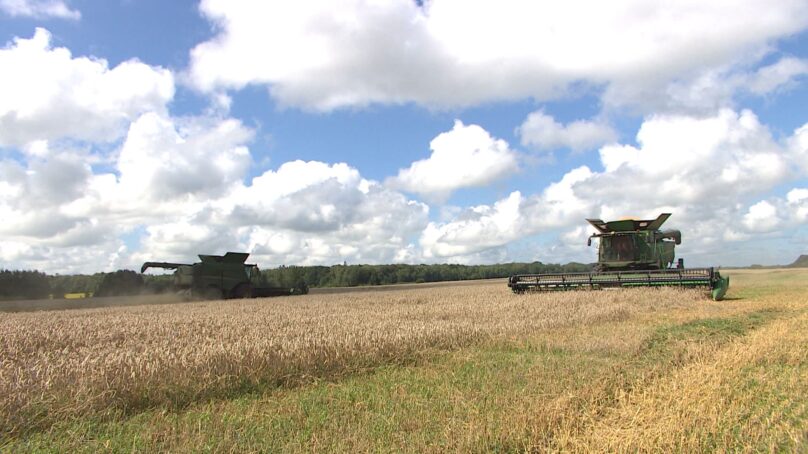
(632, 253)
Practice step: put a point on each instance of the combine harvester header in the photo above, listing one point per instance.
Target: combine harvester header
(631, 253)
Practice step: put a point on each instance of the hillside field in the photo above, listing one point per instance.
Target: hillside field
(465, 367)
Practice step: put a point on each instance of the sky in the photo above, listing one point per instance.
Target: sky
(398, 131)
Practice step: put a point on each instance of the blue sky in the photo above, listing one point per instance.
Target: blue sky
(388, 132)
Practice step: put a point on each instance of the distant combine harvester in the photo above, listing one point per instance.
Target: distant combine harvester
(222, 276)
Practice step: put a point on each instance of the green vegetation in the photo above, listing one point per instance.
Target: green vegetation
(356, 275)
(29, 285)
(23, 285)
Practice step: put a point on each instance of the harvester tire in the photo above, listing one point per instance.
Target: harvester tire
(213, 293)
(243, 290)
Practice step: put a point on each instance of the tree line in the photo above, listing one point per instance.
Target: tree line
(26, 284)
(35, 284)
(357, 275)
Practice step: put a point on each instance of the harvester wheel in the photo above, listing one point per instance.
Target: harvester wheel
(213, 293)
(243, 290)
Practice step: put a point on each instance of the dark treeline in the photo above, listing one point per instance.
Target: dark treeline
(37, 285)
(355, 275)
(23, 284)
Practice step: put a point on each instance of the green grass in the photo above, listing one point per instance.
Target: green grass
(715, 330)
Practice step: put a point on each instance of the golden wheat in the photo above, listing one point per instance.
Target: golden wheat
(56, 365)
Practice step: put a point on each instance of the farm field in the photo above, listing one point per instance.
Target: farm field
(461, 366)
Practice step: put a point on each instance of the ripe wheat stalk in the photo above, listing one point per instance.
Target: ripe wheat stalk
(112, 361)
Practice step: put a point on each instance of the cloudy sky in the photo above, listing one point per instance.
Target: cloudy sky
(398, 131)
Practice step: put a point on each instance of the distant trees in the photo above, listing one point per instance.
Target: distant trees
(120, 283)
(354, 275)
(34, 284)
(23, 285)
(74, 283)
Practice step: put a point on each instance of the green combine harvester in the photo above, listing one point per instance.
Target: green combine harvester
(222, 277)
(632, 253)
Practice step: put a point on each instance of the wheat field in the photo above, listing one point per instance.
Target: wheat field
(618, 369)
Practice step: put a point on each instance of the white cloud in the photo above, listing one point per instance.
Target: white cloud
(303, 196)
(485, 227)
(316, 213)
(101, 255)
(466, 156)
(541, 131)
(179, 184)
(457, 53)
(797, 200)
(301, 213)
(60, 210)
(761, 217)
(33, 195)
(162, 160)
(166, 171)
(709, 89)
(39, 9)
(705, 170)
(684, 159)
(477, 229)
(798, 147)
(50, 95)
(797, 195)
(777, 75)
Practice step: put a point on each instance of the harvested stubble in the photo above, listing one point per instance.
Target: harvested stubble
(107, 362)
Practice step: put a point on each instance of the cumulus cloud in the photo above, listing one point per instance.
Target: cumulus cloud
(797, 200)
(182, 239)
(684, 159)
(466, 156)
(707, 90)
(458, 53)
(708, 171)
(477, 229)
(164, 170)
(178, 187)
(301, 213)
(798, 147)
(162, 160)
(761, 217)
(306, 196)
(103, 254)
(542, 132)
(33, 194)
(51, 95)
(485, 227)
(39, 9)
(315, 213)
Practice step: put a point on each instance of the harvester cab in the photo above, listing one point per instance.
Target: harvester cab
(221, 276)
(631, 253)
(635, 244)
